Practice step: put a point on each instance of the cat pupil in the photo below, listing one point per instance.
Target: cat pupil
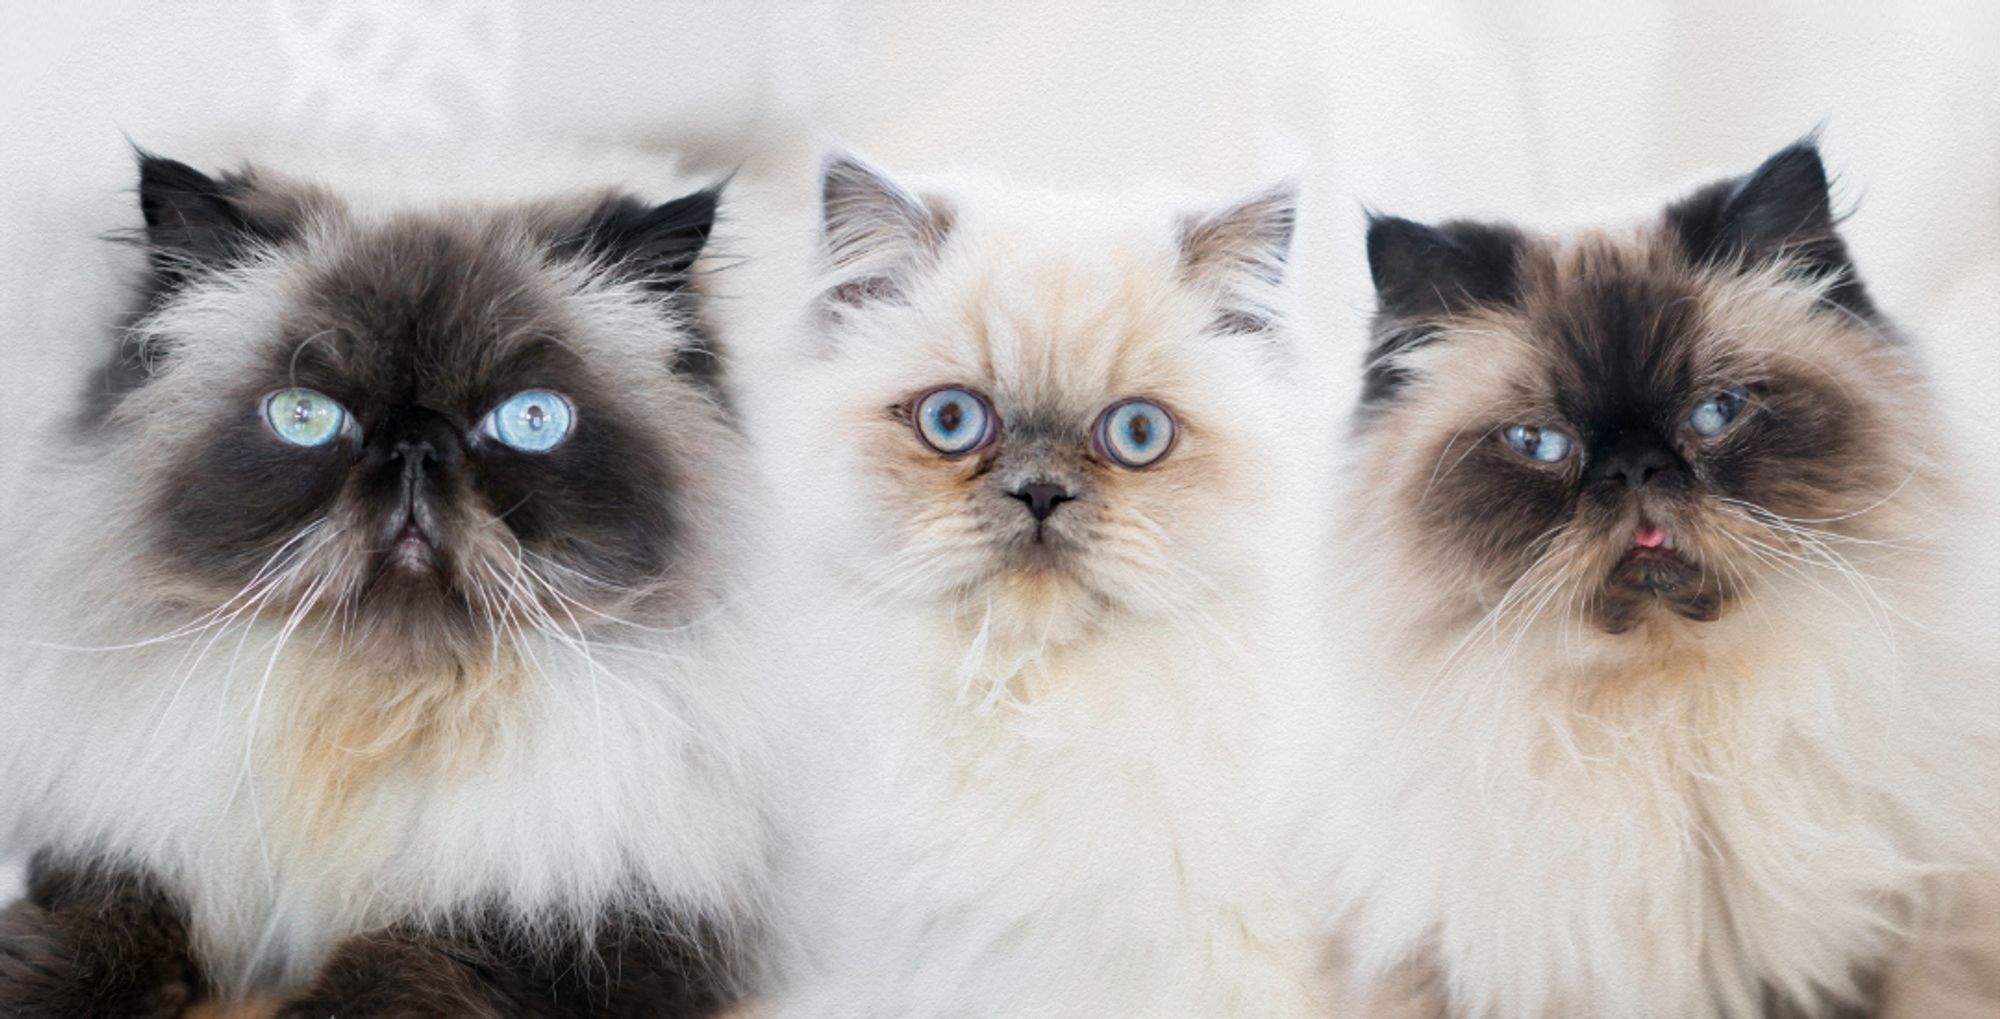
(537, 417)
(950, 416)
(1141, 429)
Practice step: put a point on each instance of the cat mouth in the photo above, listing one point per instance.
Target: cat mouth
(412, 548)
(1653, 563)
(1655, 570)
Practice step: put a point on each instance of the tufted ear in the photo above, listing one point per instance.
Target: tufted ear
(1426, 273)
(1240, 251)
(1421, 271)
(655, 245)
(196, 223)
(876, 233)
(1780, 212)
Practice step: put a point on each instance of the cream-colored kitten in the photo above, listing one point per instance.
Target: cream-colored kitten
(1029, 454)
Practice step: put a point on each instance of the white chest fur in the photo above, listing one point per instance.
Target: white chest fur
(590, 783)
(1585, 835)
(1074, 841)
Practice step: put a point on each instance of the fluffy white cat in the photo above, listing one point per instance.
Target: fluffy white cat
(1029, 446)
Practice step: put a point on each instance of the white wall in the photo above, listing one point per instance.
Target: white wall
(1426, 109)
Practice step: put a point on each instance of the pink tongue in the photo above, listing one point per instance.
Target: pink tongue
(1649, 537)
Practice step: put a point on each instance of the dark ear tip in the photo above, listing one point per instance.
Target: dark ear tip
(1800, 160)
(1385, 230)
(157, 171)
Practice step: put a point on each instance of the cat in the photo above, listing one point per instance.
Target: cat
(1660, 693)
(1027, 442)
(371, 620)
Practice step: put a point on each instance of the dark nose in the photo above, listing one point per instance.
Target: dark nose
(1042, 497)
(423, 442)
(413, 453)
(1635, 456)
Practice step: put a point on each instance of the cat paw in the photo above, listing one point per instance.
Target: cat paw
(50, 967)
(386, 977)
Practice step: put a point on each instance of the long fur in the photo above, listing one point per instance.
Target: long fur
(1682, 819)
(1022, 791)
(293, 792)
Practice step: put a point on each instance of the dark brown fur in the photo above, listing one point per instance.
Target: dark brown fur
(100, 941)
(627, 970)
(95, 942)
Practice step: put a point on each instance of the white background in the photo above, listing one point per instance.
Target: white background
(1425, 109)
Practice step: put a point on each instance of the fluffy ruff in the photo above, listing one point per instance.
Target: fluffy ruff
(1035, 798)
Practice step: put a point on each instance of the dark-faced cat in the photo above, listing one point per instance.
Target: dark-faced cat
(366, 628)
(1672, 706)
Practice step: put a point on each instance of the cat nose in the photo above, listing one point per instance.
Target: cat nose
(1042, 497)
(423, 442)
(1634, 458)
(413, 452)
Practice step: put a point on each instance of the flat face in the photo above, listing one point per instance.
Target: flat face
(486, 465)
(1058, 429)
(1624, 434)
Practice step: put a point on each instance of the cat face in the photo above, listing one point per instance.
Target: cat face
(436, 430)
(1634, 429)
(1047, 412)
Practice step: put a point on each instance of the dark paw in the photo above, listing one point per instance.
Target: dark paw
(53, 966)
(395, 977)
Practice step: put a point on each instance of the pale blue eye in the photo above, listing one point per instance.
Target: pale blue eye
(954, 421)
(1542, 445)
(303, 417)
(532, 421)
(1135, 433)
(1715, 413)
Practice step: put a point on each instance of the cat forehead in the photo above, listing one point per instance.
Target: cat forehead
(1604, 324)
(1042, 321)
(438, 302)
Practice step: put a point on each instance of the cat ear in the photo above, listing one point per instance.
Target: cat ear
(1781, 211)
(875, 232)
(196, 223)
(655, 245)
(1240, 251)
(1422, 271)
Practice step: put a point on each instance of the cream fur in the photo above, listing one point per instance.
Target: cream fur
(1018, 796)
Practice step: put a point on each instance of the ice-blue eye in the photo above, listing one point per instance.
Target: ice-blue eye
(1135, 433)
(1542, 445)
(954, 421)
(1714, 414)
(532, 421)
(304, 417)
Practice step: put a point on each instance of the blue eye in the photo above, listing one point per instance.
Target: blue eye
(954, 421)
(1542, 445)
(1715, 413)
(1135, 433)
(303, 417)
(532, 421)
